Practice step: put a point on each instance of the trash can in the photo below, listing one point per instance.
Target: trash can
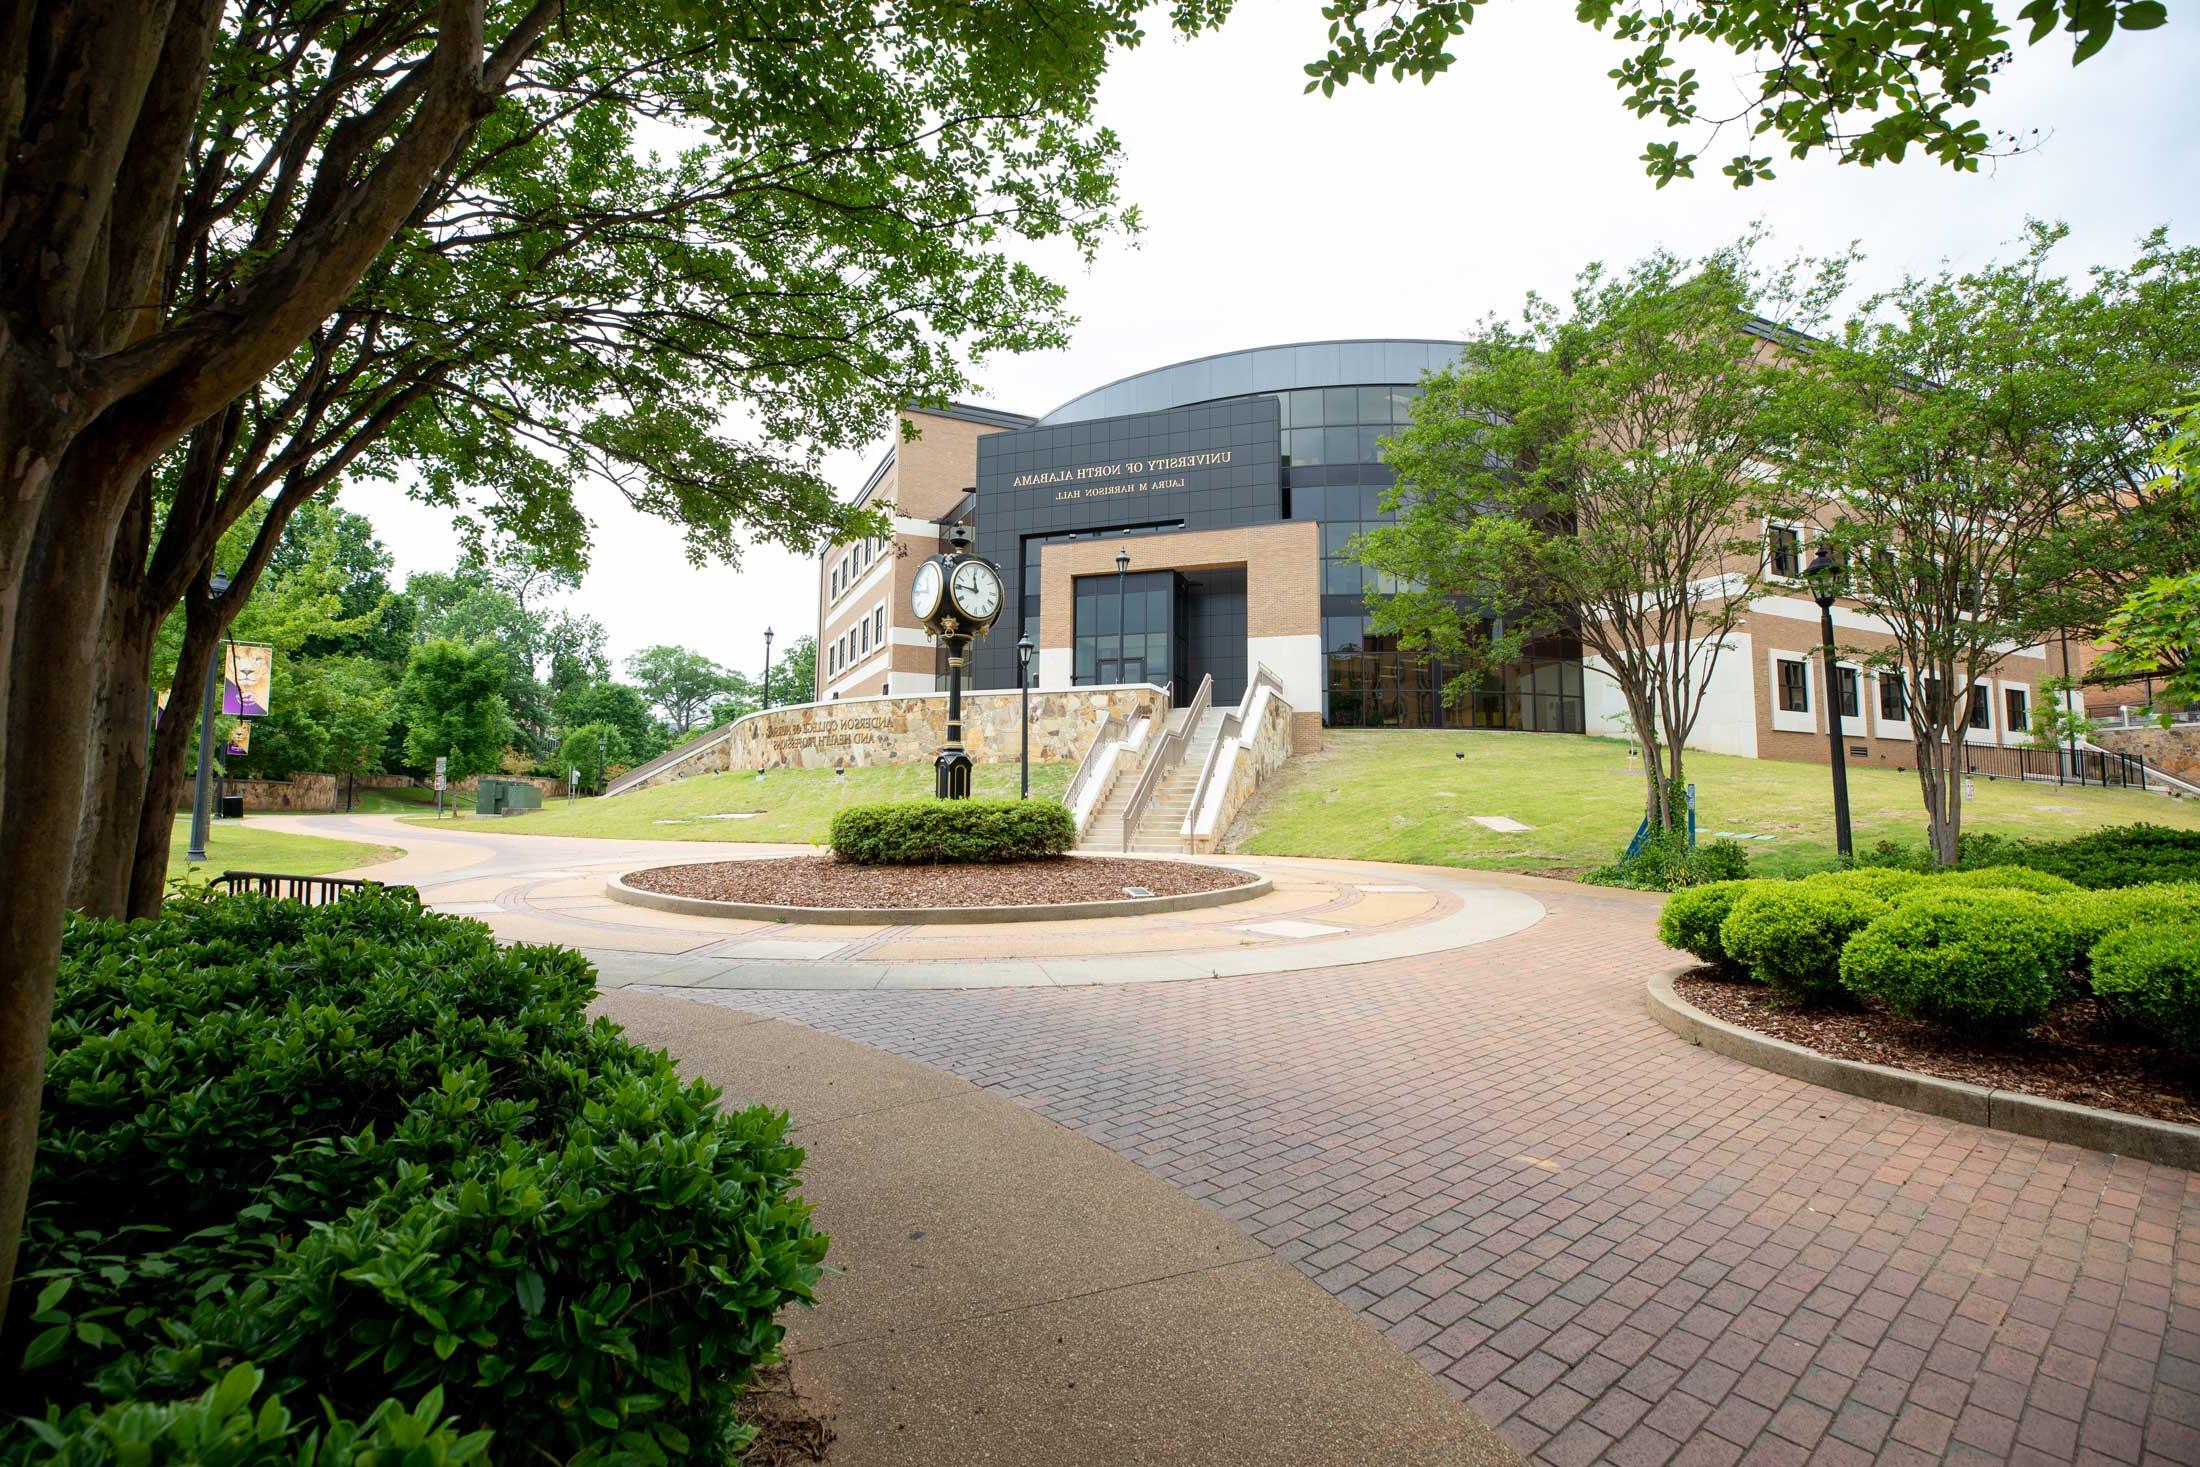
(232, 807)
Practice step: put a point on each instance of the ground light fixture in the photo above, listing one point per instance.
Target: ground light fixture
(200, 803)
(1824, 576)
(1024, 650)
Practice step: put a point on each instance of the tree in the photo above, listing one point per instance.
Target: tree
(589, 749)
(2155, 631)
(1942, 454)
(620, 707)
(452, 703)
(333, 716)
(228, 237)
(794, 673)
(678, 682)
(1915, 68)
(1600, 469)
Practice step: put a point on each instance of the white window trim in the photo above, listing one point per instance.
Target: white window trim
(1891, 728)
(1802, 550)
(1859, 726)
(1784, 721)
(1990, 734)
(2015, 737)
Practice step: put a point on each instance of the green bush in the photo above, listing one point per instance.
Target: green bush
(2150, 976)
(1692, 916)
(2126, 855)
(1978, 960)
(371, 1153)
(924, 832)
(1789, 934)
(2005, 878)
(2096, 914)
(1667, 863)
(1883, 882)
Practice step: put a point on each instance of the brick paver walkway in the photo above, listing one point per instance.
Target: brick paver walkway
(1614, 1245)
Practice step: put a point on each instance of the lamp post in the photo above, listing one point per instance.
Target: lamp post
(1023, 685)
(1824, 575)
(200, 809)
(767, 669)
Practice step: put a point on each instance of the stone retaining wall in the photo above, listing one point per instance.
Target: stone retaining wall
(299, 793)
(2174, 750)
(861, 732)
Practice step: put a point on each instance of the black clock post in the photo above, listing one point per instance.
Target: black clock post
(957, 596)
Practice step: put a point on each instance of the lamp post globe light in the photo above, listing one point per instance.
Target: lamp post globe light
(1023, 686)
(1824, 576)
(200, 804)
(767, 669)
(957, 598)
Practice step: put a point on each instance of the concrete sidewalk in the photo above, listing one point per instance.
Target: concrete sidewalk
(1011, 1293)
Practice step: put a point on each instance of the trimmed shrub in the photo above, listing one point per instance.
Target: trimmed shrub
(1667, 863)
(2124, 855)
(1982, 960)
(1789, 934)
(1692, 917)
(393, 1168)
(929, 832)
(2005, 878)
(2096, 914)
(2150, 976)
(1884, 882)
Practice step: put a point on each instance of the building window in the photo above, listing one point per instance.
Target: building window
(1981, 711)
(2017, 703)
(1936, 701)
(1794, 686)
(1852, 698)
(865, 644)
(878, 624)
(1784, 550)
(1893, 706)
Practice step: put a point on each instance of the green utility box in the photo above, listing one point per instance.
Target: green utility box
(502, 796)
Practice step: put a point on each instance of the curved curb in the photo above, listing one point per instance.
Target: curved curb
(619, 891)
(2114, 1131)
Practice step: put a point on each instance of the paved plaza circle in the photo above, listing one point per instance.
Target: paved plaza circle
(553, 889)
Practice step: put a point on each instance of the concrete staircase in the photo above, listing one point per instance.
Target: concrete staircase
(1160, 828)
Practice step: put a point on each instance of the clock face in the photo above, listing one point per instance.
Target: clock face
(977, 590)
(924, 595)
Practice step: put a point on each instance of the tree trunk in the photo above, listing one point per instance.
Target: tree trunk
(116, 760)
(57, 528)
(155, 815)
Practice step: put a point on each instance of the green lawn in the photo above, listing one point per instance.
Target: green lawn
(779, 805)
(387, 802)
(241, 845)
(1402, 796)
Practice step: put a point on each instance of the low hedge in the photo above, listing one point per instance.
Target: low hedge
(1692, 918)
(2098, 913)
(1667, 863)
(1883, 882)
(393, 1173)
(1789, 934)
(2149, 975)
(2005, 878)
(1971, 959)
(929, 832)
(2123, 855)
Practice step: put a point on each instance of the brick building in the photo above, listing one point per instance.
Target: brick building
(1191, 521)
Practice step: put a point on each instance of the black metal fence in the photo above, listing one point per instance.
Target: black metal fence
(2061, 766)
(312, 890)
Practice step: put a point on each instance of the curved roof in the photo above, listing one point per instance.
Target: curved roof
(1359, 362)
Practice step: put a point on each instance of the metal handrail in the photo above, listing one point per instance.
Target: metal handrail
(1108, 733)
(314, 891)
(1233, 723)
(1167, 752)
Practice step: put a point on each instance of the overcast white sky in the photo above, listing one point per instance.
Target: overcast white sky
(1403, 210)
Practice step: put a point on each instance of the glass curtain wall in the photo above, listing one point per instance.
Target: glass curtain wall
(1124, 629)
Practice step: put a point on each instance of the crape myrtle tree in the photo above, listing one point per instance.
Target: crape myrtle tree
(680, 683)
(1602, 467)
(1943, 454)
(1866, 83)
(242, 246)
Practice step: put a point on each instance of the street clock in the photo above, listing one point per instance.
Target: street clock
(957, 596)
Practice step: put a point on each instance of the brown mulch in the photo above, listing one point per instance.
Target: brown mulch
(788, 1431)
(828, 881)
(2078, 1053)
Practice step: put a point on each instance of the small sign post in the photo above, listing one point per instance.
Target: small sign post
(572, 783)
(442, 782)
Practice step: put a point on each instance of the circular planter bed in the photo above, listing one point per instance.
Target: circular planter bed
(2076, 1077)
(825, 889)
